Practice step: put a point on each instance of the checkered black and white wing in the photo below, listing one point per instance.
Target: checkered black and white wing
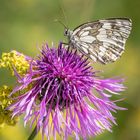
(102, 40)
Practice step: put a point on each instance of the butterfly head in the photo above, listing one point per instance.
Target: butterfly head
(67, 32)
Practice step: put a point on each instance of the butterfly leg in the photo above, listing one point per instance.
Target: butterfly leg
(65, 43)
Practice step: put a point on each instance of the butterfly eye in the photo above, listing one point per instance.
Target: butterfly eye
(66, 32)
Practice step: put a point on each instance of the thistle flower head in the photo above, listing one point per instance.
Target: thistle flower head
(66, 96)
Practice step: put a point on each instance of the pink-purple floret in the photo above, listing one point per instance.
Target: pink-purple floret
(65, 88)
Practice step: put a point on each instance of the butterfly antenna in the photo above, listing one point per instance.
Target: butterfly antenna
(56, 20)
(64, 15)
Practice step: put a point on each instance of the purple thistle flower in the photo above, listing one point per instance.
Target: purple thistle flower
(64, 95)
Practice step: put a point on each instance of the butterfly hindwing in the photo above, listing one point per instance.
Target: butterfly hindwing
(102, 40)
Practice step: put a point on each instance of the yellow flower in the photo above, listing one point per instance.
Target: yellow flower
(5, 101)
(15, 60)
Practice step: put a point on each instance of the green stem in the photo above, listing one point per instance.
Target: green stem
(33, 134)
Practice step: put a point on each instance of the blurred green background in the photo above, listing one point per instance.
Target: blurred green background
(27, 24)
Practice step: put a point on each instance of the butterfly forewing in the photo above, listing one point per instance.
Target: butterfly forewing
(102, 40)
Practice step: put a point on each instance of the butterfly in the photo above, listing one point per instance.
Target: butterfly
(102, 40)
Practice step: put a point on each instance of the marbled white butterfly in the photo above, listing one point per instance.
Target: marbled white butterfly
(101, 40)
